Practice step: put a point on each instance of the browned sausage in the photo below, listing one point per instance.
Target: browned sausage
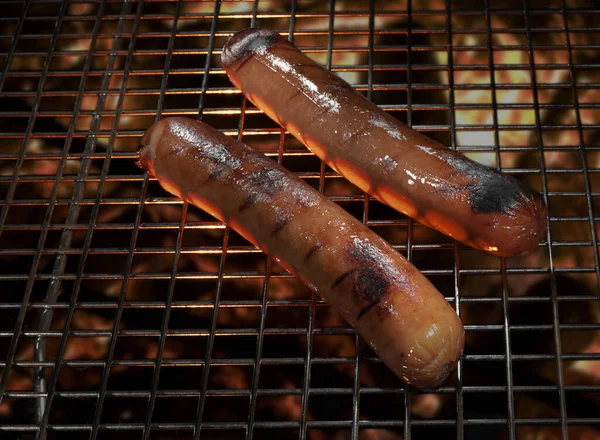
(408, 171)
(407, 322)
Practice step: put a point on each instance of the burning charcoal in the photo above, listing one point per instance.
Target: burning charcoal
(287, 407)
(78, 348)
(527, 407)
(428, 405)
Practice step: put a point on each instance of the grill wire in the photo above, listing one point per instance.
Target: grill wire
(127, 314)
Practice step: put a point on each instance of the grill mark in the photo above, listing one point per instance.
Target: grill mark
(312, 251)
(296, 93)
(261, 184)
(239, 62)
(266, 181)
(364, 310)
(342, 277)
(370, 288)
(248, 202)
(280, 225)
(216, 174)
(372, 283)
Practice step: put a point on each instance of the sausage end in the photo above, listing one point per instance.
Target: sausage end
(436, 343)
(448, 346)
(246, 42)
(522, 233)
(147, 152)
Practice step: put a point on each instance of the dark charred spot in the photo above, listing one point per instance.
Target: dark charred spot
(371, 281)
(246, 42)
(490, 190)
(267, 181)
(248, 202)
(497, 194)
(370, 287)
(279, 225)
(307, 202)
(260, 185)
(312, 251)
(342, 277)
(216, 174)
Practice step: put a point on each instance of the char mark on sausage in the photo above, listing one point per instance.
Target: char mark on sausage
(248, 202)
(312, 251)
(489, 190)
(280, 225)
(370, 288)
(248, 41)
(342, 277)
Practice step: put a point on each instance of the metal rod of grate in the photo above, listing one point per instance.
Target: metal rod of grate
(126, 313)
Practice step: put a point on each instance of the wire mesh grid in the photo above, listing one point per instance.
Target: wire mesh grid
(127, 314)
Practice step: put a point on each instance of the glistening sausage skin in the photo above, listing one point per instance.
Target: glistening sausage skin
(399, 166)
(406, 321)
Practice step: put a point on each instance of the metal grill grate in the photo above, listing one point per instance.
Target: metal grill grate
(127, 314)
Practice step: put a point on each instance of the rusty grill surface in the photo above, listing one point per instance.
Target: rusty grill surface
(124, 313)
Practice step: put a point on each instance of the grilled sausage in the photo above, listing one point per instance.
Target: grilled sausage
(406, 170)
(406, 321)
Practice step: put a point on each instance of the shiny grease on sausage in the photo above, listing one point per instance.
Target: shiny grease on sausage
(408, 171)
(406, 321)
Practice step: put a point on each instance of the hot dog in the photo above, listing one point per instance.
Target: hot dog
(406, 321)
(406, 170)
